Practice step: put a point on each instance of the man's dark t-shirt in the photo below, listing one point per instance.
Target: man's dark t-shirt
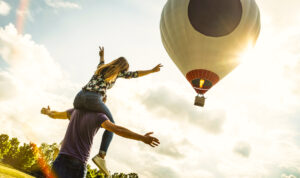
(81, 130)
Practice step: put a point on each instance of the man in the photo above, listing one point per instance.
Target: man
(76, 146)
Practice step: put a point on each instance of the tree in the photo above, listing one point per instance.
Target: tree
(49, 152)
(36, 160)
(11, 156)
(93, 173)
(122, 175)
(4, 145)
(26, 158)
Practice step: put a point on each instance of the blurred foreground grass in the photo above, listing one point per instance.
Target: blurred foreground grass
(8, 172)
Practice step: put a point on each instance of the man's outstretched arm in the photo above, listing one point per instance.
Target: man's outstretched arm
(123, 132)
(55, 114)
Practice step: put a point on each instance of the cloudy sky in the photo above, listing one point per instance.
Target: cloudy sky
(248, 128)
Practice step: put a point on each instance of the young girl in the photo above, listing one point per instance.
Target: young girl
(93, 95)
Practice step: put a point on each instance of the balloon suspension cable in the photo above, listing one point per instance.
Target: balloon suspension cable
(201, 95)
(201, 89)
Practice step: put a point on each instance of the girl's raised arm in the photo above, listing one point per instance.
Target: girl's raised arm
(101, 54)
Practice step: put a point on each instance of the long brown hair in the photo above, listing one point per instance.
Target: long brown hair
(111, 70)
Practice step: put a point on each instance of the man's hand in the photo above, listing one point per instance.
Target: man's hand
(46, 111)
(152, 141)
(101, 52)
(157, 68)
(54, 114)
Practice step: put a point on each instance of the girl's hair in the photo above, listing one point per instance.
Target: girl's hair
(111, 70)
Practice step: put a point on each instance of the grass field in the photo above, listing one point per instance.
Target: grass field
(8, 172)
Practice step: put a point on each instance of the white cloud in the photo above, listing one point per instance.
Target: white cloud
(165, 102)
(28, 60)
(7, 86)
(243, 149)
(282, 15)
(287, 176)
(4, 8)
(171, 147)
(149, 6)
(62, 4)
(31, 80)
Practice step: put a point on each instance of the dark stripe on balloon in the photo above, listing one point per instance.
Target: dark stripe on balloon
(215, 18)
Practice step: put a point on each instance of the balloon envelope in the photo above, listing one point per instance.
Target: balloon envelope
(205, 38)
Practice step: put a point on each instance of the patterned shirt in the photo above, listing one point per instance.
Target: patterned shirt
(99, 85)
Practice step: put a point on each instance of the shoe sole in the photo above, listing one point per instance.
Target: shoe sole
(100, 168)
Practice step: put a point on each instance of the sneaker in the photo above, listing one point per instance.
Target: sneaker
(101, 164)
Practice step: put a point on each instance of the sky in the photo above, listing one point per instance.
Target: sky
(248, 128)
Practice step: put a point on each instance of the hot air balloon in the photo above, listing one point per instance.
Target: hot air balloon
(205, 38)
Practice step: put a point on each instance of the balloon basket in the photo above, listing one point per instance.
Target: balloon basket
(199, 101)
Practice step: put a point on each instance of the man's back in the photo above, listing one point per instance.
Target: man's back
(80, 133)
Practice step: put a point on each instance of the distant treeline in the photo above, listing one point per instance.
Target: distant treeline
(26, 159)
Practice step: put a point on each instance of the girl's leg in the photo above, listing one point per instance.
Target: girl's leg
(107, 135)
(79, 100)
(93, 102)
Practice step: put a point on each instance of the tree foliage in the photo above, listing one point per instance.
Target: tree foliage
(11, 156)
(25, 158)
(95, 173)
(4, 145)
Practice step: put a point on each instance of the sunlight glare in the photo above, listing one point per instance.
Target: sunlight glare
(248, 54)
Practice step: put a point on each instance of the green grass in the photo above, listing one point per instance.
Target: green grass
(8, 172)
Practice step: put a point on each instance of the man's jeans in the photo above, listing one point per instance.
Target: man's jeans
(66, 166)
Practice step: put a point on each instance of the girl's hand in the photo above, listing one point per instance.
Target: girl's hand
(157, 68)
(104, 99)
(101, 52)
